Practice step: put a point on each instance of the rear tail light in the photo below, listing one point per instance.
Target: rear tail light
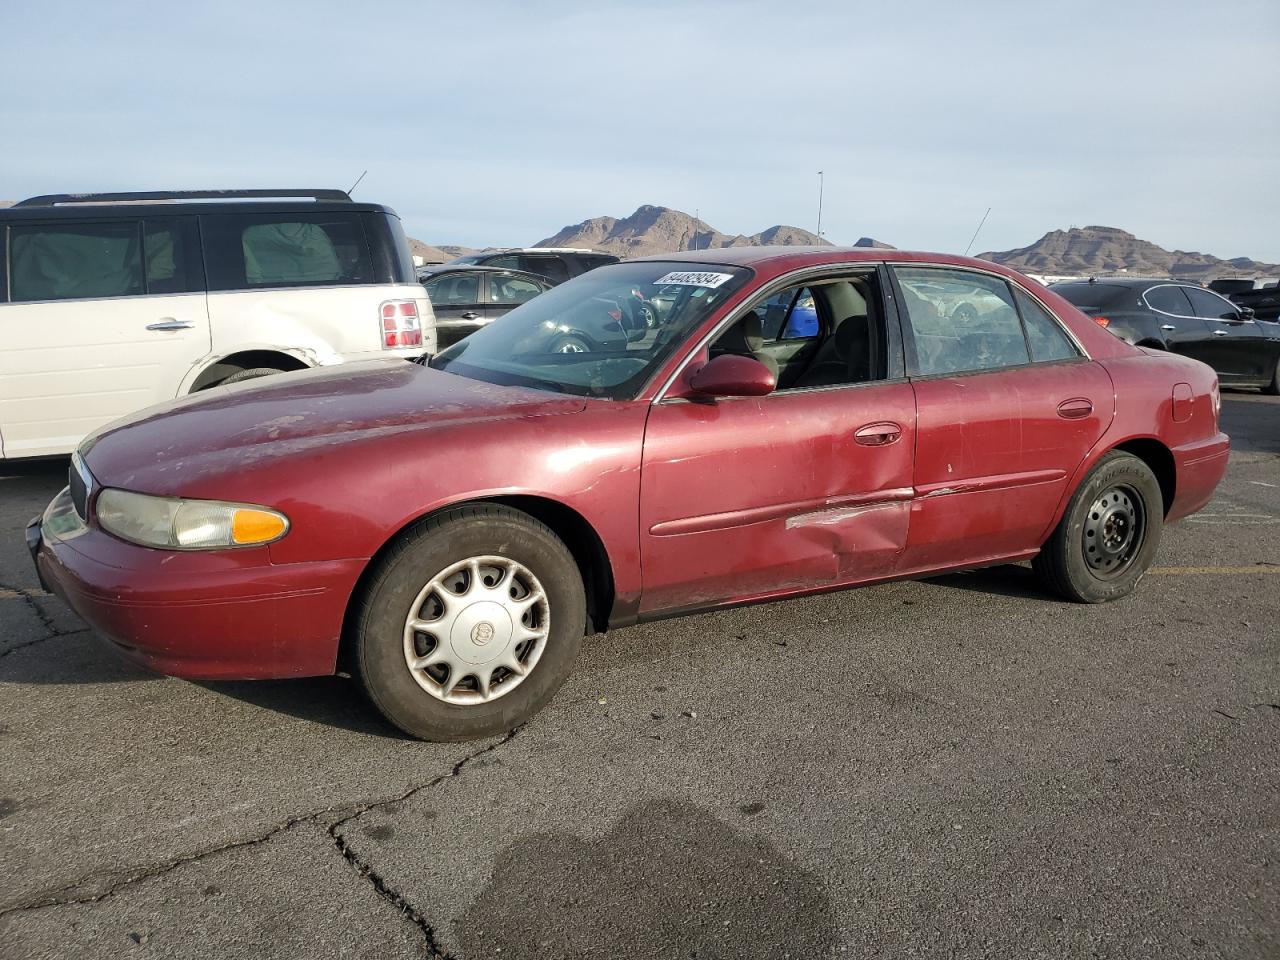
(1102, 321)
(400, 326)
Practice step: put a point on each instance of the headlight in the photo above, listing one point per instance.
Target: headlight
(187, 524)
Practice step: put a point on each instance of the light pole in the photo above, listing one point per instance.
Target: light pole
(820, 179)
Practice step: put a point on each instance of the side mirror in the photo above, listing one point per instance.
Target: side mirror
(733, 375)
(1247, 313)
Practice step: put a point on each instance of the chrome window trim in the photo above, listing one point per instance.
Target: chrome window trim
(1183, 316)
(1084, 354)
(773, 287)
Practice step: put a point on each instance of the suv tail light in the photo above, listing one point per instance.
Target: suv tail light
(400, 327)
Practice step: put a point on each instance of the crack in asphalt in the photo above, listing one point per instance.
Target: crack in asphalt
(379, 883)
(65, 896)
(31, 643)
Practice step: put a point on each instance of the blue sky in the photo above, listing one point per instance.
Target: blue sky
(497, 123)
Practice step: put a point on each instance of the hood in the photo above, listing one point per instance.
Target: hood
(234, 427)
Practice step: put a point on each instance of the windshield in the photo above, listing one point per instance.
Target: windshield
(602, 334)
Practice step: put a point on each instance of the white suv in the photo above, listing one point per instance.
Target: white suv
(112, 302)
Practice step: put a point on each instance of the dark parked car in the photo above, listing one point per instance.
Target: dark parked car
(465, 297)
(447, 533)
(1262, 297)
(557, 264)
(1183, 318)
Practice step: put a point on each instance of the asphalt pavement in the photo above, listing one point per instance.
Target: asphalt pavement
(962, 767)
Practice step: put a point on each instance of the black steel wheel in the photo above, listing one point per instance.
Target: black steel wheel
(1108, 535)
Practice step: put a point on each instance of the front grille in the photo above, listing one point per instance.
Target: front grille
(81, 484)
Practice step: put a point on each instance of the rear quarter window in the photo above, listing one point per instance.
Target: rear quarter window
(270, 250)
(1095, 296)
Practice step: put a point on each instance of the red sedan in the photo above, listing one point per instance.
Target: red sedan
(652, 438)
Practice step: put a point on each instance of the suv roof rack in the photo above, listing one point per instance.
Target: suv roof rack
(56, 199)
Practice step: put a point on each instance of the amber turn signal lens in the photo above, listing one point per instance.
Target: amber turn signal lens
(256, 526)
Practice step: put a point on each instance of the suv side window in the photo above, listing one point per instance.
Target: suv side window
(552, 268)
(1210, 305)
(172, 255)
(1045, 336)
(961, 321)
(264, 250)
(1168, 299)
(75, 261)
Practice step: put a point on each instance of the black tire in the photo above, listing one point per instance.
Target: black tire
(251, 374)
(1273, 388)
(429, 547)
(1099, 554)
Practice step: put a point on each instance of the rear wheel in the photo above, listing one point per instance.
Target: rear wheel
(1109, 534)
(251, 374)
(1273, 387)
(470, 624)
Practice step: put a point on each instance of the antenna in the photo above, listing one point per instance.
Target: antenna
(975, 233)
(357, 183)
(696, 220)
(820, 180)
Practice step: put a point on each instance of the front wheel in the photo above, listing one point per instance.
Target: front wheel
(470, 624)
(1108, 536)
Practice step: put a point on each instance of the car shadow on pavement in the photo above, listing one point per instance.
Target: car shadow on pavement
(1006, 580)
(669, 880)
(330, 701)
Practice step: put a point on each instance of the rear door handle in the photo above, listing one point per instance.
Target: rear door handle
(168, 323)
(1077, 408)
(1167, 326)
(1220, 333)
(471, 315)
(878, 434)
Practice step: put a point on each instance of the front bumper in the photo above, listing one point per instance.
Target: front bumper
(208, 615)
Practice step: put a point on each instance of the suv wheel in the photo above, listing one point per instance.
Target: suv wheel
(470, 624)
(1108, 536)
(251, 374)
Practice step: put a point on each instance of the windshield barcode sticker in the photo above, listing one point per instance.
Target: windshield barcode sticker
(694, 279)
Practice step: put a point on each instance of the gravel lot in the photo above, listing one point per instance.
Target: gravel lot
(961, 767)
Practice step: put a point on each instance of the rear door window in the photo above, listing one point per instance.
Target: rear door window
(961, 321)
(75, 261)
(454, 289)
(506, 290)
(1169, 299)
(264, 250)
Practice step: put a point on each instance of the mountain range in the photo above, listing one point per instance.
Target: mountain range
(1079, 251)
(1089, 251)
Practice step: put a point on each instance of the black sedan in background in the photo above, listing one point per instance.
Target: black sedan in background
(1187, 319)
(464, 297)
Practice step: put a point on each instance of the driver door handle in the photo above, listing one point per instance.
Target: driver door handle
(471, 315)
(878, 434)
(1220, 333)
(168, 323)
(1167, 326)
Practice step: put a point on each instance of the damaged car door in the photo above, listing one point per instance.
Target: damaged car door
(806, 487)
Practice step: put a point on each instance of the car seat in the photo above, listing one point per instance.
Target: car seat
(745, 338)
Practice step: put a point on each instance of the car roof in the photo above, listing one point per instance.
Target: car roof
(1128, 282)
(161, 203)
(451, 267)
(793, 257)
